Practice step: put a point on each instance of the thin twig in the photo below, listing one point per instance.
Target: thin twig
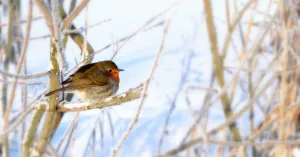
(224, 125)
(224, 89)
(22, 21)
(144, 93)
(4, 90)
(232, 28)
(67, 131)
(68, 140)
(78, 30)
(111, 44)
(186, 65)
(19, 121)
(24, 77)
(73, 139)
(144, 27)
(247, 107)
(81, 29)
(23, 83)
(19, 67)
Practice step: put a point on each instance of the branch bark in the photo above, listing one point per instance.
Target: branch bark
(219, 67)
(54, 84)
(29, 137)
(74, 14)
(46, 14)
(219, 71)
(131, 94)
(4, 89)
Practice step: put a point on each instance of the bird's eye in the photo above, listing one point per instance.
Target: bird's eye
(110, 70)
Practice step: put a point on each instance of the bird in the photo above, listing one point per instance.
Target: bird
(92, 82)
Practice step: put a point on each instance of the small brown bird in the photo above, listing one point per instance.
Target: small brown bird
(92, 82)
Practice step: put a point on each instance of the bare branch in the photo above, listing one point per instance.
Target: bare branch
(20, 120)
(46, 13)
(20, 64)
(232, 144)
(141, 29)
(81, 29)
(4, 88)
(145, 91)
(29, 137)
(232, 27)
(23, 82)
(61, 58)
(25, 77)
(200, 140)
(78, 30)
(74, 14)
(131, 94)
(21, 21)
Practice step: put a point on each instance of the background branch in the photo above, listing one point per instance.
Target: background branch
(74, 14)
(46, 14)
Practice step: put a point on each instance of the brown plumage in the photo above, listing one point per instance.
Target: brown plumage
(92, 82)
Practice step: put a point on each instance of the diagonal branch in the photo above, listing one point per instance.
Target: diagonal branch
(131, 94)
(74, 14)
(46, 13)
(144, 93)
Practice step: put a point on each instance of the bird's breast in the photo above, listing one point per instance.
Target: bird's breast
(95, 94)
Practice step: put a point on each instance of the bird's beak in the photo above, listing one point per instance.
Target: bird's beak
(120, 70)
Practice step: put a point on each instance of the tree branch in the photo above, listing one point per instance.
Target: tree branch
(144, 93)
(131, 94)
(74, 14)
(24, 77)
(61, 58)
(46, 13)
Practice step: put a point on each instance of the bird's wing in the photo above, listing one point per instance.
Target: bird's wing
(85, 67)
(87, 79)
(74, 87)
(99, 79)
(79, 73)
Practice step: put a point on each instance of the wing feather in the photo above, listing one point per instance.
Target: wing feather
(77, 73)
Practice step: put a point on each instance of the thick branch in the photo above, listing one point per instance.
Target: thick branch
(61, 58)
(54, 84)
(29, 138)
(131, 94)
(219, 68)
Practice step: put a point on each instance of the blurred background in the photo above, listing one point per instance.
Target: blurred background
(226, 82)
